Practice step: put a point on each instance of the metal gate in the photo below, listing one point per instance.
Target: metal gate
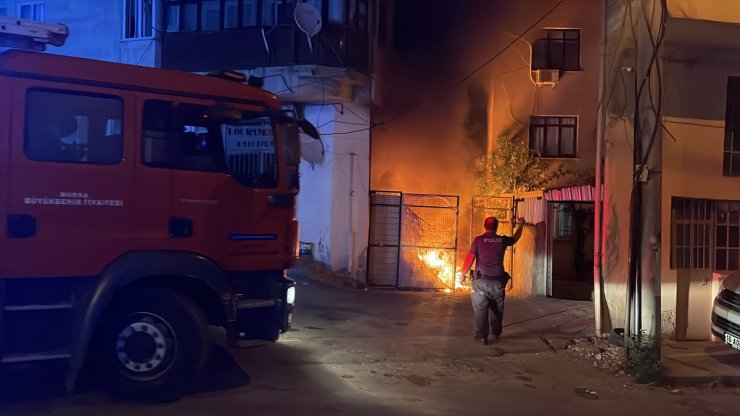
(384, 238)
(413, 240)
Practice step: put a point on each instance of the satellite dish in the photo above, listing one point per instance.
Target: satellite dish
(312, 150)
(308, 19)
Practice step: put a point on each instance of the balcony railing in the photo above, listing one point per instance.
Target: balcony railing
(335, 46)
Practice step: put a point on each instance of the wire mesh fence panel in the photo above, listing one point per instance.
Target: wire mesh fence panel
(428, 241)
(384, 238)
(490, 206)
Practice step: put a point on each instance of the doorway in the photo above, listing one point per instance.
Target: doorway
(571, 238)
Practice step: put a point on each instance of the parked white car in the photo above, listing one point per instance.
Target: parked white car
(726, 311)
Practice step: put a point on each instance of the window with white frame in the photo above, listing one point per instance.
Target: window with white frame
(31, 11)
(3, 11)
(138, 19)
(553, 136)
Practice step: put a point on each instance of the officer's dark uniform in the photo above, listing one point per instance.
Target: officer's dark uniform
(489, 290)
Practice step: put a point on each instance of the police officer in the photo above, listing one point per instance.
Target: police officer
(490, 278)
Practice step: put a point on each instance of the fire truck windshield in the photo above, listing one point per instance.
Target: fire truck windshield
(208, 138)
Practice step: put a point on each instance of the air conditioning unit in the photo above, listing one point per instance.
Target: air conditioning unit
(545, 76)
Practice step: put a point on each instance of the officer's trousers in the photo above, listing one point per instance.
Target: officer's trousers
(488, 293)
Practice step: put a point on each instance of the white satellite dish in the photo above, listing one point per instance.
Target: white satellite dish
(312, 150)
(308, 19)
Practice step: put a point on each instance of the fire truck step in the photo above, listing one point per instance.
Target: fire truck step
(24, 358)
(255, 303)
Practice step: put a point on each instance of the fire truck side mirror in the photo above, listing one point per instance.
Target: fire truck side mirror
(309, 129)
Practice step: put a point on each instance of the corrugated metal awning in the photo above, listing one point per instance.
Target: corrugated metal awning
(572, 193)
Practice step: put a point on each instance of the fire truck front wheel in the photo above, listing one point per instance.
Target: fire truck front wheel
(154, 344)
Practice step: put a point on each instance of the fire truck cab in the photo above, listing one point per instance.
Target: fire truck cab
(137, 207)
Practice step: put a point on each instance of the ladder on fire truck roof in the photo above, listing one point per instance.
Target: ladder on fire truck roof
(30, 34)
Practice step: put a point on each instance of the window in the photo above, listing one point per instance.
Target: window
(31, 11)
(700, 229)
(72, 127)
(3, 11)
(553, 136)
(560, 49)
(138, 19)
(358, 11)
(731, 154)
(337, 12)
(562, 227)
(727, 236)
(210, 11)
(190, 137)
(690, 225)
(231, 14)
(213, 15)
(277, 12)
(249, 13)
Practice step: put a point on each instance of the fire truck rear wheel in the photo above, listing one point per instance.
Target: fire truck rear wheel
(154, 344)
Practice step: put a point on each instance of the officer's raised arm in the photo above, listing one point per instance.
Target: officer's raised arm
(518, 232)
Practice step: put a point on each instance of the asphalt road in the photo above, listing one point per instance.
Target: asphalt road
(355, 352)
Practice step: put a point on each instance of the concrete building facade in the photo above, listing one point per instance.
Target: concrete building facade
(676, 134)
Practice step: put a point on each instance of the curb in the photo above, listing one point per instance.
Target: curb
(699, 381)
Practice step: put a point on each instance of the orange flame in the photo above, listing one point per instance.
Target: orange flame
(440, 261)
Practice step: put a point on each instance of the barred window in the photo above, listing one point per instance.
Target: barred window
(705, 234)
(727, 236)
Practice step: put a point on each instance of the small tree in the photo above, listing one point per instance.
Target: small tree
(512, 167)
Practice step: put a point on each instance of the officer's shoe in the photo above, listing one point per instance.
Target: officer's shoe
(483, 340)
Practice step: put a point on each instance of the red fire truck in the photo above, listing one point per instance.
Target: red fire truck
(139, 206)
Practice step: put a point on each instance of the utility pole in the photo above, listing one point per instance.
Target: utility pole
(644, 283)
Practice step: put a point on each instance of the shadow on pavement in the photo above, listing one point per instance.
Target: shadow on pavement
(34, 382)
(30, 382)
(220, 373)
(724, 354)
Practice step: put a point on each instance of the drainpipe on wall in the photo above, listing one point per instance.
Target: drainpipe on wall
(352, 236)
(599, 300)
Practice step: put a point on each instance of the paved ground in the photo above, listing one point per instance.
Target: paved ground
(356, 352)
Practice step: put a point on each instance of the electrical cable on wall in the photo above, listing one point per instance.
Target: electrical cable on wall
(464, 78)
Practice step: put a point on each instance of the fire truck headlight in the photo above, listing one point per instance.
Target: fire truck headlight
(290, 295)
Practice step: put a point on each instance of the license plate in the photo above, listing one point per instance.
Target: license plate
(732, 340)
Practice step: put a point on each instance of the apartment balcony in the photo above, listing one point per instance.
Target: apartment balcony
(244, 48)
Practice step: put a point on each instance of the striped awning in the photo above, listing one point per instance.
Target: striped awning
(571, 193)
(531, 205)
